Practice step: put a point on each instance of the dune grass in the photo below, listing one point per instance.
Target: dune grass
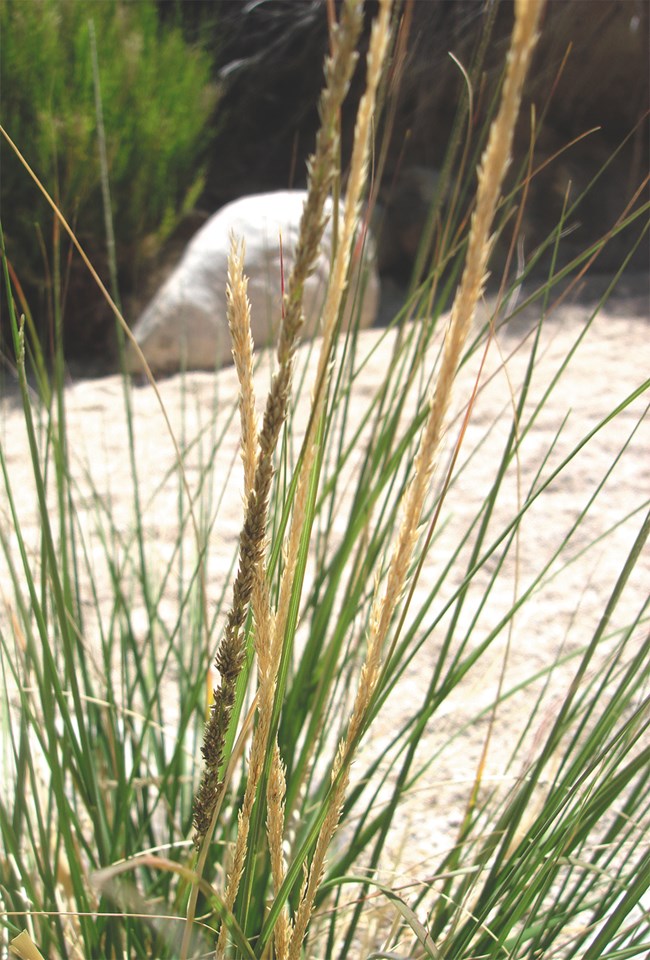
(347, 628)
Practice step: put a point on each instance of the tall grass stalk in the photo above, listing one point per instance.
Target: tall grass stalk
(230, 657)
(491, 175)
(376, 626)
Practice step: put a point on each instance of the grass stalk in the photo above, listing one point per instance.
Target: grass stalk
(492, 171)
(229, 659)
(377, 650)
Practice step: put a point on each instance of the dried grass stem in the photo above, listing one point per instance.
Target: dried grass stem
(251, 574)
(491, 173)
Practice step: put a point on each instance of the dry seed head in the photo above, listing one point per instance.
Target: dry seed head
(321, 169)
(493, 168)
(239, 321)
(378, 47)
(376, 56)
(275, 826)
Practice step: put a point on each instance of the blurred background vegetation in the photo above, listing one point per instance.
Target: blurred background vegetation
(157, 101)
(206, 100)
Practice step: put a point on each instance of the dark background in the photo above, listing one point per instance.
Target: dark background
(591, 70)
(268, 67)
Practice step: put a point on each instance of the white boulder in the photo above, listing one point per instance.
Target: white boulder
(185, 325)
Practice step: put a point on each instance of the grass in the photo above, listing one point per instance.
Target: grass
(370, 625)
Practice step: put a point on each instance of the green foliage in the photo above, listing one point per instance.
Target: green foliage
(107, 631)
(103, 656)
(156, 100)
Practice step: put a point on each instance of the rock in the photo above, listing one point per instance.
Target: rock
(185, 325)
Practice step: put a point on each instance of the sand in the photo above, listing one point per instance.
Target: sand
(566, 603)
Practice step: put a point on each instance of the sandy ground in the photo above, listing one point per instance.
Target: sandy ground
(565, 606)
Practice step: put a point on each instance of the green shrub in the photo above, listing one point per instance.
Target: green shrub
(156, 101)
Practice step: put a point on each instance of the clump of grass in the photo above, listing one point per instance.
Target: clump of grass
(307, 758)
(231, 651)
